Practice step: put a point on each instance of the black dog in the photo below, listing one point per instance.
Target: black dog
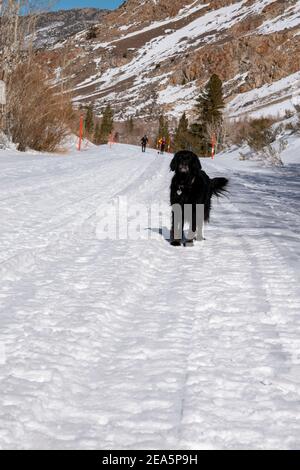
(190, 197)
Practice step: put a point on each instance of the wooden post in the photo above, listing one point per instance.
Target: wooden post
(2, 105)
(213, 146)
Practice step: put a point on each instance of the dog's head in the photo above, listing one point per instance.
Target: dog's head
(185, 163)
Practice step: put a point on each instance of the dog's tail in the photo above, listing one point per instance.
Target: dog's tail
(218, 186)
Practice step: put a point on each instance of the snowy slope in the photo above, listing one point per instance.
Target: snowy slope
(134, 343)
(289, 19)
(54, 26)
(173, 47)
(203, 30)
(273, 99)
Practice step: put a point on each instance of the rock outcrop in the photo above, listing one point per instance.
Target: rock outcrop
(155, 55)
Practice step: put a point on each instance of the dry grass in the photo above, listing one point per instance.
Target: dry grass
(38, 116)
(257, 133)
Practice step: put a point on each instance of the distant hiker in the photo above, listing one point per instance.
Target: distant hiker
(162, 145)
(144, 142)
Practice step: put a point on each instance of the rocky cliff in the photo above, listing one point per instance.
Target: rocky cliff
(156, 54)
(52, 27)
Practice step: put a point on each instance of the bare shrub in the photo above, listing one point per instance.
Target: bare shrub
(91, 33)
(243, 156)
(260, 133)
(237, 131)
(3, 141)
(38, 116)
(290, 127)
(272, 153)
(288, 114)
(218, 133)
(263, 137)
(257, 133)
(264, 140)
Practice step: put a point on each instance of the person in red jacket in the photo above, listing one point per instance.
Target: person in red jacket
(162, 144)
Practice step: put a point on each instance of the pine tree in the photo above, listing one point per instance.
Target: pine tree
(129, 125)
(197, 139)
(181, 141)
(97, 134)
(163, 128)
(107, 124)
(210, 105)
(89, 120)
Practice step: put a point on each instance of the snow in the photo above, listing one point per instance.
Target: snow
(204, 29)
(211, 25)
(134, 344)
(182, 97)
(161, 47)
(272, 99)
(183, 13)
(176, 93)
(292, 153)
(289, 19)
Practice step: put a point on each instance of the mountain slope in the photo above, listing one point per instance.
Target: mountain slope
(155, 55)
(52, 27)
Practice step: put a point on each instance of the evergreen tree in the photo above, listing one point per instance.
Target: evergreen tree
(89, 120)
(210, 105)
(163, 128)
(197, 139)
(107, 124)
(181, 140)
(130, 125)
(97, 134)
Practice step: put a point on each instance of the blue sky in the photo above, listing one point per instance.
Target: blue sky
(66, 4)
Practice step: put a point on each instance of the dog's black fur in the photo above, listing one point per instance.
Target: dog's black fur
(191, 185)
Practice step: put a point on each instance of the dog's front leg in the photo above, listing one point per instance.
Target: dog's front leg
(200, 232)
(197, 226)
(176, 235)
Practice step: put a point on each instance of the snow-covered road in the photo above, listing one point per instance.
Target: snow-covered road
(137, 344)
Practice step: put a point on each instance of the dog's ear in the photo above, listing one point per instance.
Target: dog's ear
(174, 162)
(196, 165)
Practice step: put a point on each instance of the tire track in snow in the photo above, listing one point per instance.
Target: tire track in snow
(136, 344)
(229, 415)
(46, 322)
(47, 234)
(121, 345)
